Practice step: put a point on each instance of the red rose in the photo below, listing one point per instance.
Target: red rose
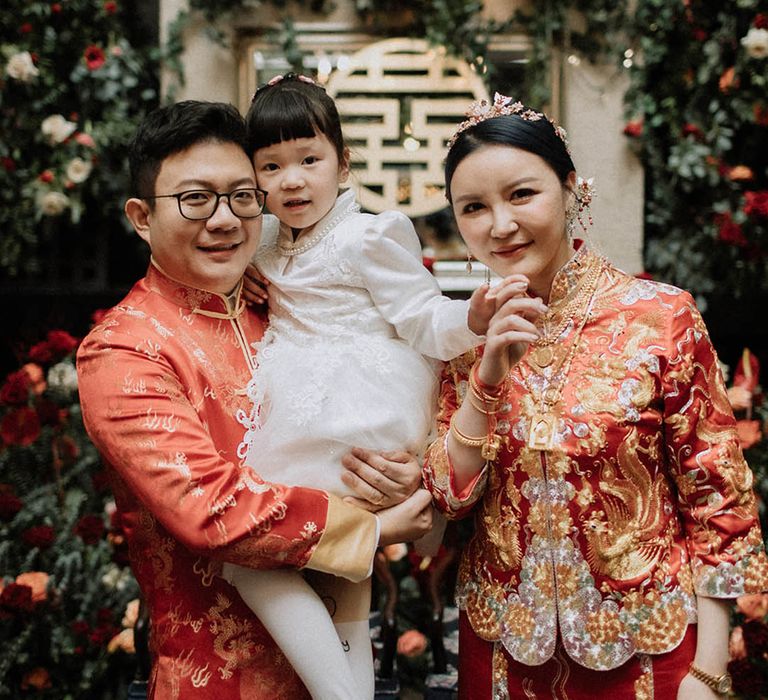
(760, 21)
(9, 164)
(756, 203)
(15, 390)
(50, 413)
(17, 597)
(10, 504)
(755, 634)
(90, 528)
(80, 627)
(25, 28)
(728, 231)
(61, 343)
(94, 57)
(85, 140)
(98, 316)
(634, 129)
(700, 34)
(110, 7)
(20, 426)
(761, 114)
(41, 536)
(693, 130)
(748, 677)
(56, 8)
(41, 353)
(46, 176)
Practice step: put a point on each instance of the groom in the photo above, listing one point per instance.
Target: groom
(161, 383)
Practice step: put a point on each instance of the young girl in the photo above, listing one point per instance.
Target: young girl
(353, 313)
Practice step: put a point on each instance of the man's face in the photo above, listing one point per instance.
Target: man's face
(210, 254)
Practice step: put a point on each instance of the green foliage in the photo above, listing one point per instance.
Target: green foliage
(699, 94)
(83, 63)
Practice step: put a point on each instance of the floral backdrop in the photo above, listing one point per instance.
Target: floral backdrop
(76, 76)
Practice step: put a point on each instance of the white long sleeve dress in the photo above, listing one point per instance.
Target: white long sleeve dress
(356, 324)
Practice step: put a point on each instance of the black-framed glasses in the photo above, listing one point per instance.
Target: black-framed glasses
(197, 205)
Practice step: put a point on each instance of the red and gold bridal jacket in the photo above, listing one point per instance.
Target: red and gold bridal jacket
(162, 381)
(644, 501)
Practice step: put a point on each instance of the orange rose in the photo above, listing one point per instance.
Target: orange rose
(740, 173)
(748, 432)
(38, 678)
(395, 552)
(37, 581)
(36, 377)
(728, 80)
(736, 647)
(411, 643)
(753, 607)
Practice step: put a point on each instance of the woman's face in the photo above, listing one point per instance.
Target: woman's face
(510, 208)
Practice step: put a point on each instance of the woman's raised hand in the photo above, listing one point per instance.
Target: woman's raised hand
(511, 329)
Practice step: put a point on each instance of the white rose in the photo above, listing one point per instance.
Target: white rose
(62, 377)
(78, 170)
(756, 42)
(53, 203)
(21, 67)
(57, 129)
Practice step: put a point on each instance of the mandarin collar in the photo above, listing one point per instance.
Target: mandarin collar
(344, 206)
(198, 301)
(568, 277)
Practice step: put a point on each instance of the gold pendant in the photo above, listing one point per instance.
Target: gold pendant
(543, 356)
(491, 448)
(542, 434)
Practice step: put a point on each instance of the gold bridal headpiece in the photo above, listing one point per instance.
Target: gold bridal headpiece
(502, 105)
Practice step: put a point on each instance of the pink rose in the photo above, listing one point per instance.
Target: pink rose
(753, 607)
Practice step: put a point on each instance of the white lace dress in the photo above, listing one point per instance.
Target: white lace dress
(352, 315)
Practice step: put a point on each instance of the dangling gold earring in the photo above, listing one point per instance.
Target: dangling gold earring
(469, 262)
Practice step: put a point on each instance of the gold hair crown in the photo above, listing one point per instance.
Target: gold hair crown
(481, 111)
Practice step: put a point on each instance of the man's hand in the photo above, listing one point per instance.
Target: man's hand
(407, 521)
(254, 286)
(380, 479)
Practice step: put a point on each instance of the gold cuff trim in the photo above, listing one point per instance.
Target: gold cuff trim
(348, 543)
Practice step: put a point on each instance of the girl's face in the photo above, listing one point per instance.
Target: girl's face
(302, 178)
(510, 208)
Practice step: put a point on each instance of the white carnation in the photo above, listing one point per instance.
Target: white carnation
(53, 203)
(57, 129)
(21, 67)
(756, 42)
(78, 170)
(62, 377)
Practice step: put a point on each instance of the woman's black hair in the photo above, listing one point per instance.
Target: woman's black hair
(538, 137)
(292, 108)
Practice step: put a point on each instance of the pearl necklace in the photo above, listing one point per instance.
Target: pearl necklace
(291, 249)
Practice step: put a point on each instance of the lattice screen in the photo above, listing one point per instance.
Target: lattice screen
(400, 101)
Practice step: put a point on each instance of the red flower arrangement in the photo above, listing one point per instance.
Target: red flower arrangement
(756, 203)
(728, 231)
(634, 128)
(94, 57)
(58, 558)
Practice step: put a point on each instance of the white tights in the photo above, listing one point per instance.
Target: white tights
(333, 658)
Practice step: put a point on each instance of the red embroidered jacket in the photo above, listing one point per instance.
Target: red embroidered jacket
(161, 382)
(644, 502)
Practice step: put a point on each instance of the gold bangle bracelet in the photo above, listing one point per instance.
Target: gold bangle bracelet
(466, 440)
(475, 401)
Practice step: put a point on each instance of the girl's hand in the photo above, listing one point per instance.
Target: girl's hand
(510, 331)
(407, 521)
(254, 286)
(380, 479)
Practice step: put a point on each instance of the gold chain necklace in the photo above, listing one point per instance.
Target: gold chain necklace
(543, 354)
(543, 428)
